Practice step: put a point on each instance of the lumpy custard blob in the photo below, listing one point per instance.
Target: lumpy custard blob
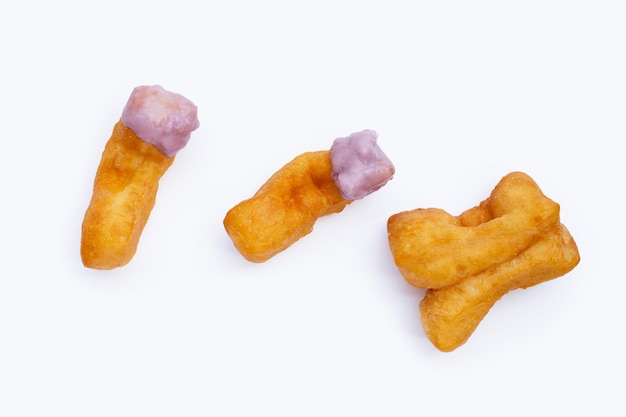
(359, 166)
(161, 118)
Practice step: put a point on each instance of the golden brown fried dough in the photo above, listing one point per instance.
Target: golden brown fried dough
(312, 185)
(513, 239)
(433, 249)
(451, 314)
(124, 194)
(285, 208)
(155, 124)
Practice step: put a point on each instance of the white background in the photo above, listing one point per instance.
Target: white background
(460, 92)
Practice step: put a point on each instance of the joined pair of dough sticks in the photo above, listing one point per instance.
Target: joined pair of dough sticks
(511, 240)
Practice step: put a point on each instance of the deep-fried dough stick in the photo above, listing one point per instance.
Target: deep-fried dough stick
(513, 239)
(312, 185)
(125, 191)
(450, 315)
(155, 125)
(285, 208)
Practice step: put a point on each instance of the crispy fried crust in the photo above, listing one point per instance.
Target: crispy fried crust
(433, 249)
(285, 208)
(450, 315)
(513, 239)
(124, 194)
